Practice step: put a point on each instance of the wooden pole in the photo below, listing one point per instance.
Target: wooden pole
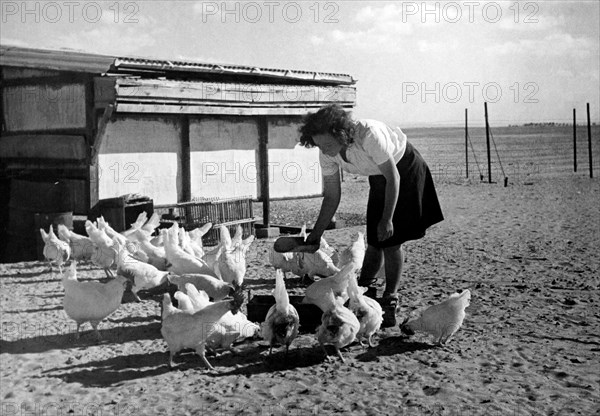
(574, 142)
(467, 142)
(186, 170)
(589, 140)
(263, 157)
(487, 142)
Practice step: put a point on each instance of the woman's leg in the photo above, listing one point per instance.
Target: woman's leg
(371, 265)
(394, 260)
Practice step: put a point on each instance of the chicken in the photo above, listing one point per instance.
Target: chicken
(282, 321)
(132, 246)
(110, 232)
(137, 225)
(320, 263)
(339, 326)
(367, 310)
(105, 253)
(142, 275)
(82, 248)
(216, 289)
(441, 320)
(55, 250)
(181, 262)
(355, 253)
(156, 255)
(185, 242)
(197, 233)
(314, 264)
(211, 258)
(231, 263)
(317, 293)
(91, 301)
(232, 329)
(152, 224)
(184, 330)
(97, 235)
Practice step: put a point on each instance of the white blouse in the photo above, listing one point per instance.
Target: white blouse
(374, 143)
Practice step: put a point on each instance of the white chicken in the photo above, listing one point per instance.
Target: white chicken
(231, 263)
(152, 224)
(82, 248)
(199, 232)
(367, 310)
(55, 250)
(156, 255)
(282, 321)
(110, 232)
(215, 288)
(320, 263)
(339, 326)
(137, 225)
(91, 301)
(179, 261)
(355, 253)
(229, 329)
(105, 253)
(232, 328)
(441, 320)
(142, 275)
(318, 292)
(184, 330)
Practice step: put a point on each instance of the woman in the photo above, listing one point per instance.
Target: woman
(402, 199)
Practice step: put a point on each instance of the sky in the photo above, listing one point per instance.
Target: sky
(416, 63)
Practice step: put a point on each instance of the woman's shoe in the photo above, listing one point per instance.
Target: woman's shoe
(390, 305)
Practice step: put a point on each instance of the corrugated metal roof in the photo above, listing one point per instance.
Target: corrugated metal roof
(224, 69)
(61, 60)
(69, 60)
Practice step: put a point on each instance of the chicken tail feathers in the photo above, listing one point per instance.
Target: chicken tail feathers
(280, 293)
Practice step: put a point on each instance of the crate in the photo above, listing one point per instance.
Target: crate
(122, 211)
(229, 212)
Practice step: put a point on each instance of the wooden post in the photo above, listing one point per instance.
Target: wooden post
(467, 142)
(186, 170)
(487, 142)
(263, 157)
(589, 140)
(574, 142)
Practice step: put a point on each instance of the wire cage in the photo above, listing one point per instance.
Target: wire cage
(229, 212)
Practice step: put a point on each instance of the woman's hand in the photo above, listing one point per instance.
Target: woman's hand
(385, 229)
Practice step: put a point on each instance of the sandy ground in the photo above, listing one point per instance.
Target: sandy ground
(530, 343)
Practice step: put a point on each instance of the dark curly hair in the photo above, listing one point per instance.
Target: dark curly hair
(332, 119)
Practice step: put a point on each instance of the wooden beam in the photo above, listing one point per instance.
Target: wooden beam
(218, 110)
(100, 132)
(168, 91)
(186, 175)
(263, 164)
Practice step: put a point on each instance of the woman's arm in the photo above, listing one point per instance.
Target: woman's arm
(385, 228)
(332, 191)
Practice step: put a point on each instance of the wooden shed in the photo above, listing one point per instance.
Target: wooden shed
(171, 130)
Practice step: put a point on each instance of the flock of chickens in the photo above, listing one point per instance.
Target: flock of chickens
(204, 312)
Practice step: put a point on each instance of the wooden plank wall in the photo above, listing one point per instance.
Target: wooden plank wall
(44, 107)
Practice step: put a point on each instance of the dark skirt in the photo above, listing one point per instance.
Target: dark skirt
(417, 208)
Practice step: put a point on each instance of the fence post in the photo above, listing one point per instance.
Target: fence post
(589, 140)
(487, 142)
(467, 142)
(574, 142)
